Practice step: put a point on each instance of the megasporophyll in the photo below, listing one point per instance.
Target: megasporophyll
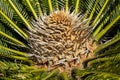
(61, 40)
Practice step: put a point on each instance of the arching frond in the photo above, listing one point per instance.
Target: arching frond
(31, 8)
(108, 15)
(50, 5)
(77, 6)
(109, 43)
(20, 15)
(14, 26)
(39, 8)
(100, 13)
(93, 74)
(13, 39)
(103, 32)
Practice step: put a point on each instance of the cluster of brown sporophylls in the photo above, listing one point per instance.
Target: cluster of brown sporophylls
(61, 40)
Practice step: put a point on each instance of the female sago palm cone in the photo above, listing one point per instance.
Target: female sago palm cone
(61, 40)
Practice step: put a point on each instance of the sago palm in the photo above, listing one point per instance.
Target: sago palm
(79, 38)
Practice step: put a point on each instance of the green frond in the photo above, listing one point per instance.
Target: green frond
(103, 32)
(50, 5)
(56, 3)
(39, 7)
(17, 71)
(110, 52)
(95, 75)
(113, 51)
(31, 8)
(13, 51)
(109, 43)
(114, 58)
(53, 73)
(38, 70)
(11, 38)
(66, 5)
(22, 59)
(20, 15)
(63, 76)
(13, 54)
(101, 26)
(14, 26)
(3, 66)
(100, 13)
(22, 10)
(7, 36)
(77, 6)
(108, 64)
(108, 15)
(6, 9)
(93, 11)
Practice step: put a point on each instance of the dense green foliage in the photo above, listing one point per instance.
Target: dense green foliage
(15, 20)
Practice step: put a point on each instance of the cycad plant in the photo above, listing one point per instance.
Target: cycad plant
(59, 39)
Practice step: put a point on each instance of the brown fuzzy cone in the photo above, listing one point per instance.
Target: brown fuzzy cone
(61, 40)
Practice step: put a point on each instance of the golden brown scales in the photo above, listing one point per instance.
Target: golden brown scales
(61, 40)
